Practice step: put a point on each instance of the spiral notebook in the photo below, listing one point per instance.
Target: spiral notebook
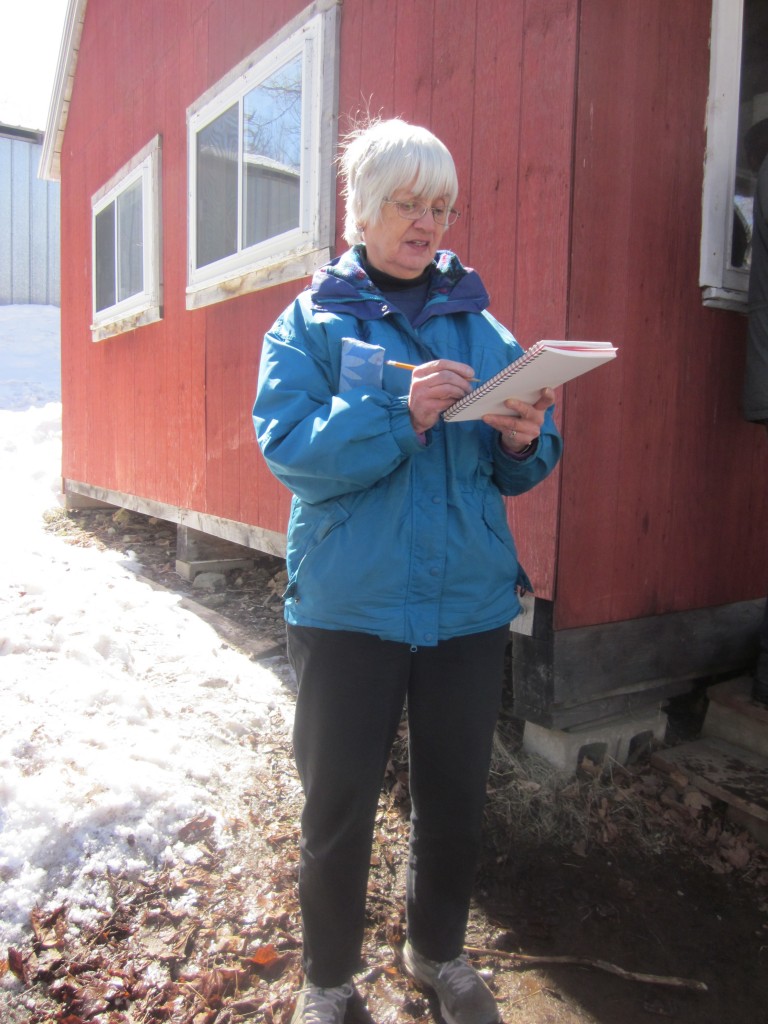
(546, 364)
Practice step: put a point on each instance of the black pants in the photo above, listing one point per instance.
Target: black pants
(352, 689)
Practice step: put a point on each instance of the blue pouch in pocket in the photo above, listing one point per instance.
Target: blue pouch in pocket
(361, 364)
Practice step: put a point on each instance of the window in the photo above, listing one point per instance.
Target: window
(738, 99)
(126, 247)
(261, 145)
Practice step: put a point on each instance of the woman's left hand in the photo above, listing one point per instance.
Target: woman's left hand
(523, 424)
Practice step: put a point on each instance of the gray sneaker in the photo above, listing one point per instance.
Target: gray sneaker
(464, 996)
(316, 1005)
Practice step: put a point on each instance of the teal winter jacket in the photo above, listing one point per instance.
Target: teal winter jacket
(402, 537)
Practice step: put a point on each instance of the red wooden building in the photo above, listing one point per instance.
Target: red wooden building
(583, 132)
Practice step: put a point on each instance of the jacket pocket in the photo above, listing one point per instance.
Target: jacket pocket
(308, 527)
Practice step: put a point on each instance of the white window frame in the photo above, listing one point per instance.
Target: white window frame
(300, 251)
(146, 306)
(723, 286)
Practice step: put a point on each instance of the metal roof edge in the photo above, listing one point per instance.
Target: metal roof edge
(31, 135)
(50, 160)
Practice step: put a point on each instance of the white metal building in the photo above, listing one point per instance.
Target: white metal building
(30, 267)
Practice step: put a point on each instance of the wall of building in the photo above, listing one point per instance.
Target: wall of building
(664, 498)
(577, 128)
(29, 223)
(164, 412)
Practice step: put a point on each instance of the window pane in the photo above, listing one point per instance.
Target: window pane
(104, 268)
(753, 128)
(130, 243)
(272, 155)
(217, 155)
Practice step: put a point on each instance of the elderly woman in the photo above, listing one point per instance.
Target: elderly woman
(402, 572)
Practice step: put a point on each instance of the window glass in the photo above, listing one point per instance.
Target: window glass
(130, 242)
(753, 125)
(272, 155)
(217, 159)
(119, 241)
(104, 268)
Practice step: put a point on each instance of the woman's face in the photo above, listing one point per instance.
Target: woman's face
(401, 247)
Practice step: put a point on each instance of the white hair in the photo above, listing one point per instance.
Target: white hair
(380, 157)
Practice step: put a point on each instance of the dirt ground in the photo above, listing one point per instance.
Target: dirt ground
(612, 896)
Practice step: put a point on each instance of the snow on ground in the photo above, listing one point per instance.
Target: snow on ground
(30, 366)
(123, 716)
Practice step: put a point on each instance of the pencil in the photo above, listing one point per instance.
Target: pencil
(410, 366)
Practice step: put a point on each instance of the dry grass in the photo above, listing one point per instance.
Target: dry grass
(603, 804)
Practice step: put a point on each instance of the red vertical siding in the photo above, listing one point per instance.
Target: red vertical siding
(162, 412)
(416, 34)
(664, 502)
(539, 267)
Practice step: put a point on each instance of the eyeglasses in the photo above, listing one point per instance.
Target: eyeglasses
(411, 210)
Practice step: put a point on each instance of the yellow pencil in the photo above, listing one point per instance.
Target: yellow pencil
(410, 366)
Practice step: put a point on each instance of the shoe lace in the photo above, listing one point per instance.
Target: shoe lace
(325, 1005)
(459, 976)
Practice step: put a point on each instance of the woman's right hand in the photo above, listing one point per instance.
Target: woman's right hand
(434, 387)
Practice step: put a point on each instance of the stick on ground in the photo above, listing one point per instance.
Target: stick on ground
(583, 961)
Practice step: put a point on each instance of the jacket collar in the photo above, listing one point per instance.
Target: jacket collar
(453, 287)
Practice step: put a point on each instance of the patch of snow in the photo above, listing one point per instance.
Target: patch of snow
(123, 715)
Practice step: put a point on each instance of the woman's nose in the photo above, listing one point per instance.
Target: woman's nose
(427, 219)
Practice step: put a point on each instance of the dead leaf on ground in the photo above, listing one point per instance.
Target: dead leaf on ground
(736, 851)
(48, 928)
(695, 800)
(269, 962)
(198, 828)
(221, 981)
(17, 965)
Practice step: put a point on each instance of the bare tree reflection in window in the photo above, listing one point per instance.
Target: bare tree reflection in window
(272, 155)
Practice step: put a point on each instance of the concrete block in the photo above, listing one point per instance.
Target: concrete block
(614, 738)
(190, 570)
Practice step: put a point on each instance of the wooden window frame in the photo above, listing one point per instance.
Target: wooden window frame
(299, 252)
(722, 285)
(146, 306)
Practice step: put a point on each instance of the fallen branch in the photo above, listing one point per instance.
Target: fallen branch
(602, 965)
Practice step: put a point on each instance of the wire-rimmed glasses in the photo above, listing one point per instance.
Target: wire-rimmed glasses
(412, 210)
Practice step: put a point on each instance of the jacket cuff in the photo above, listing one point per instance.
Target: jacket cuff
(402, 428)
(521, 456)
